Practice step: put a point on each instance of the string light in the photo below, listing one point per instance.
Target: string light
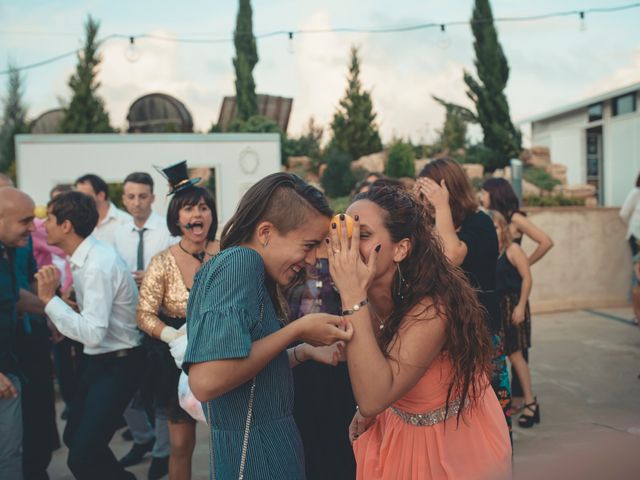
(290, 48)
(445, 41)
(583, 23)
(290, 33)
(132, 52)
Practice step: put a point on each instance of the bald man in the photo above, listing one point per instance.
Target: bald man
(16, 224)
(5, 180)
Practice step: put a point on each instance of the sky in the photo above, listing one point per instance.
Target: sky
(553, 62)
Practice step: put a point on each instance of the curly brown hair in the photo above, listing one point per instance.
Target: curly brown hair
(427, 273)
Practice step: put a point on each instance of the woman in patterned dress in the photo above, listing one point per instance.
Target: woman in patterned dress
(237, 357)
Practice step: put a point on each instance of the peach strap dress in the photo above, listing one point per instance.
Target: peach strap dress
(478, 447)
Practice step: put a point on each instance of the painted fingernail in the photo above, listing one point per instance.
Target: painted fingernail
(342, 216)
(378, 247)
(357, 217)
(333, 225)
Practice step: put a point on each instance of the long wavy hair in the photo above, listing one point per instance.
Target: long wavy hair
(502, 198)
(427, 273)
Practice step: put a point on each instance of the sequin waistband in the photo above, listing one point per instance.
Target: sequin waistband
(430, 418)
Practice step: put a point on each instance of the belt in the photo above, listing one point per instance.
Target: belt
(116, 353)
(428, 419)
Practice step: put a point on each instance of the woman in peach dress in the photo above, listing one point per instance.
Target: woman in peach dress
(420, 354)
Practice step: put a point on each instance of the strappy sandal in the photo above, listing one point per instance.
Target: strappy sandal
(527, 421)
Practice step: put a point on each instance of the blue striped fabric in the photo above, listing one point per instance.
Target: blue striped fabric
(223, 319)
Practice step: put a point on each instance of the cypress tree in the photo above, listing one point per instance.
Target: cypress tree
(245, 60)
(86, 112)
(353, 125)
(492, 108)
(14, 120)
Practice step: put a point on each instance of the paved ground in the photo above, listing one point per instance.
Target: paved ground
(585, 368)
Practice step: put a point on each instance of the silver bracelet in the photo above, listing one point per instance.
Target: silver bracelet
(356, 307)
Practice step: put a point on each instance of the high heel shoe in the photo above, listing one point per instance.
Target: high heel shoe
(527, 421)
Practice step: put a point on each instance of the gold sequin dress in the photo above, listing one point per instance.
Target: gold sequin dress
(163, 299)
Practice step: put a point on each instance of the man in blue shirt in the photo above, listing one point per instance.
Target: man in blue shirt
(16, 225)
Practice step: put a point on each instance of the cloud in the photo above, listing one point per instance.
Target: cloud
(162, 67)
(401, 83)
(621, 77)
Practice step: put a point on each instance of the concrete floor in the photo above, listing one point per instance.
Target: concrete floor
(585, 368)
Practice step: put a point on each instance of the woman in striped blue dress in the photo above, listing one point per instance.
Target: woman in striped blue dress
(235, 333)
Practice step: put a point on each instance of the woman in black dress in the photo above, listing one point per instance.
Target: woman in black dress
(469, 241)
(497, 194)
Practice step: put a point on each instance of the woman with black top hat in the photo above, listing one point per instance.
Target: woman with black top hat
(163, 301)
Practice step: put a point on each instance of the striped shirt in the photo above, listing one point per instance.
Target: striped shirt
(223, 319)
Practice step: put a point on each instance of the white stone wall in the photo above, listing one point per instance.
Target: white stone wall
(239, 159)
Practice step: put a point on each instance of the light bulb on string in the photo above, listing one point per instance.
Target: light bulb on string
(290, 48)
(445, 41)
(132, 52)
(583, 22)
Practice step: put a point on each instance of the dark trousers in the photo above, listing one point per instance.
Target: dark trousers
(69, 364)
(106, 388)
(40, 432)
(633, 243)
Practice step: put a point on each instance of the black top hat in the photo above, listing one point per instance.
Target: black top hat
(178, 177)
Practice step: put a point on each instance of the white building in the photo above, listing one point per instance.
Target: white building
(598, 139)
(229, 162)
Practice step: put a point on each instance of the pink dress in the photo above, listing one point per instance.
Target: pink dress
(477, 448)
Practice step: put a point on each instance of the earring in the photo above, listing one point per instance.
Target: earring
(402, 283)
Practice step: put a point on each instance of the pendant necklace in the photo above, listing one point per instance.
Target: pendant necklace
(199, 256)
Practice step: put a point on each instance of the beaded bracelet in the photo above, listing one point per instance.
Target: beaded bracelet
(356, 307)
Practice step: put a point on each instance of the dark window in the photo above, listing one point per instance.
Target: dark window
(595, 112)
(624, 104)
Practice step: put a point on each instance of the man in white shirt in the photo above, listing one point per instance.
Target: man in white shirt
(137, 241)
(146, 233)
(110, 217)
(105, 323)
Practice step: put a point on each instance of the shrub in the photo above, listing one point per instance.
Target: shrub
(540, 178)
(553, 201)
(338, 180)
(401, 161)
(340, 204)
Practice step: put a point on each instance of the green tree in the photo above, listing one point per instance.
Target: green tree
(453, 135)
(487, 93)
(14, 120)
(401, 161)
(245, 60)
(307, 144)
(337, 180)
(86, 112)
(353, 126)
